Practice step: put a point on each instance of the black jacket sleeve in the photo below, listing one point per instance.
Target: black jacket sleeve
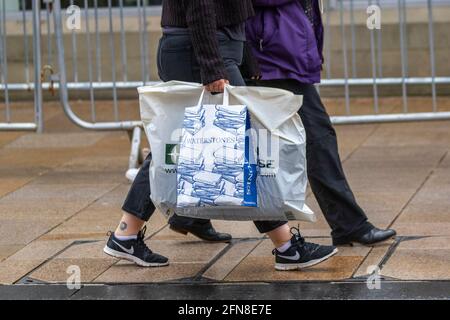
(201, 21)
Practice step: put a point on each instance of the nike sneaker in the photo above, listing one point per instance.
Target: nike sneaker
(302, 254)
(134, 250)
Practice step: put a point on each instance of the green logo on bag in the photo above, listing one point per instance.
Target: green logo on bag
(172, 152)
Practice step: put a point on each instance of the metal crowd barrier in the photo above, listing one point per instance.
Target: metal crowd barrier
(377, 78)
(349, 80)
(133, 127)
(6, 124)
(110, 22)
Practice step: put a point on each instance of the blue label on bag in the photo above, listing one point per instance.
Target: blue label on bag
(250, 171)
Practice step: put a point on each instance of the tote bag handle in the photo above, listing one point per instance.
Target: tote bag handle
(226, 97)
(200, 101)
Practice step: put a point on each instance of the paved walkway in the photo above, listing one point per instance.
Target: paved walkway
(60, 192)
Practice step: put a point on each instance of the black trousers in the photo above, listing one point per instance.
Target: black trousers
(176, 61)
(325, 173)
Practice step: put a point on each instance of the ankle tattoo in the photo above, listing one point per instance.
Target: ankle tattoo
(123, 226)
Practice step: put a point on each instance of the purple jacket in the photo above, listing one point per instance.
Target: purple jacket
(284, 42)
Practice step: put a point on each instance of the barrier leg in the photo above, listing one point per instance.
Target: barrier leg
(135, 154)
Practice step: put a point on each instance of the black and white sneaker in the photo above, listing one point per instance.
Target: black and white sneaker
(302, 254)
(134, 250)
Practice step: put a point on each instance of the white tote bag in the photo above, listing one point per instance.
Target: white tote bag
(281, 180)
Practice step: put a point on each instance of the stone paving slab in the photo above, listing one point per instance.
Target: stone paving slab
(386, 179)
(89, 224)
(396, 157)
(352, 137)
(374, 258)
(56, 140)
(89, 257)
(187, 259)
(359, 106)
(446, 161)
(341, 266)
(382, 207)
(91, 163)
(429, 212)
(8, 184)
(125, 272)
(59, 211)
(23, 111)
(424, 134)
(101, 216)
(30, 257)
(23, 231)
(8, 137)
(425, 259)
(17, 162)
(9, 250)
(222, 267)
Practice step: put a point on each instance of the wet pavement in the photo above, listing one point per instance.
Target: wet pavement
(61, 191)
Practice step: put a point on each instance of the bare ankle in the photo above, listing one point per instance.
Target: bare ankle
(129, 226)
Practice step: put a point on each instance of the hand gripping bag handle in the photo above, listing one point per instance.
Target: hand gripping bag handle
(226, 97)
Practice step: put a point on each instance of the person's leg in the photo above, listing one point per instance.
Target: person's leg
(129, 225)
(127, 242)
(137, 206)
(169, 60)
(291, 251)
(327, 179)
(176, 61)
(280, 236)
(325, 172)
(279, 232)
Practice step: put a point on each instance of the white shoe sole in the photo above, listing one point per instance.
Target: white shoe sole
(298, 266)
(129, 257)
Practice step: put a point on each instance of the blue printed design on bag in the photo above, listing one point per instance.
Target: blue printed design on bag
(194, 119)
(213, 165)
(229, 120)
(250, 192)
